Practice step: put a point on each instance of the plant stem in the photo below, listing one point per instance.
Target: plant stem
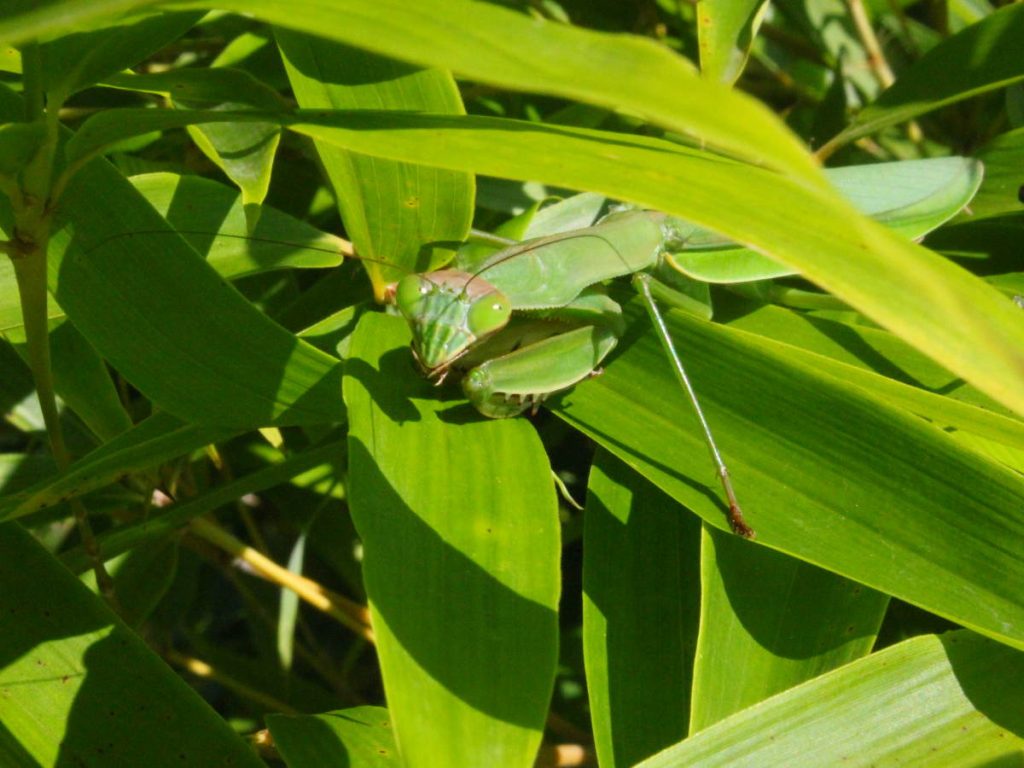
(354, 616)
(28, 253)
(201, 669)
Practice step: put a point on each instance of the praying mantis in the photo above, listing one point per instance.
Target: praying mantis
(533, 319)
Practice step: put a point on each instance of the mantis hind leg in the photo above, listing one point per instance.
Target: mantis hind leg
(520, 380)
(739, 525)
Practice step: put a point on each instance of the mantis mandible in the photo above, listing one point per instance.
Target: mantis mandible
(533, 319)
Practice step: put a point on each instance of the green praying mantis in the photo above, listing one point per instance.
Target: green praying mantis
(533, 320)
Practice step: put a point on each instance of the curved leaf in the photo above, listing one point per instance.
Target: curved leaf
(507, 49)
(211, 217)
(948, 700)
(461, 560)
(402, 217)
(88, 688)
(912, 197)
(360, 737)
(641, 598)
(725, 32)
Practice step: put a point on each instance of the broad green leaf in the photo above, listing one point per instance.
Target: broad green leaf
(903, 376)
(77, 61)
(460, 534)
(170, 324)
(825, 471)
(769, 622)
(912, 197)
(725, 31)
(319, 460)
(84, 688)
(507, 49)
(981, 58)
(402, 217)
(939, 308)
(1004, 177)
(211, 217)
(947, 700)
(147, 444)
(641, 599)
(244, 152)
(360, 737)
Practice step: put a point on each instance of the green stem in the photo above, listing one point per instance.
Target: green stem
(28, 253)
(30, 271)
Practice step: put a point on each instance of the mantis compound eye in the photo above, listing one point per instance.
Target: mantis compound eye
(411, 289)
(489, 313)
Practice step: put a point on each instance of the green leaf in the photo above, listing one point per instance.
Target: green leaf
(769, 622)
(460, 534)
(77, 61)
(912, 197)
(1004, 176)
(244, 152)
(402, 217)
(825, 472)
(641, 599)
(510, 50)
(203, 88)
(143, 298)
(902, 376)
(983, 57)
(211, 217)
(360, 737)
(725, 32)
(88, 690)
(948, 700)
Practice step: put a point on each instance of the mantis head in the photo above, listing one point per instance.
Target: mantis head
(448, 312)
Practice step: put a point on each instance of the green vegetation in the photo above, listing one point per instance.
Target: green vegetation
(242, 528)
